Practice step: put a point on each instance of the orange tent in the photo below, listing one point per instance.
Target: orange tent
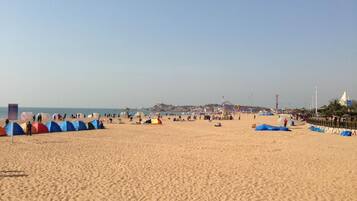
(24, 127)
(2, 132)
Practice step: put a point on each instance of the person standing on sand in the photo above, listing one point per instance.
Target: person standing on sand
(285, 122)
(255, 116)
(29, 128)
(39, 118)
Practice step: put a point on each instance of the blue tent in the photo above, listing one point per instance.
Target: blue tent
(13, 129)
(265, 127)
(95, 124)
(53, 127)
(79, 125)
(316, 129)
(67, 126)
(346, 133)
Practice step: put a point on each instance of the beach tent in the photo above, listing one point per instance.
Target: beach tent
(26, 116)
(67, 126)
(156, 121)
(316, 129)
(53, 127)
(14, 129)
(39, 128)
(79, 125)
(346, 133)
(24, 128)
(2, 132)
(95, 124)
(91, 126)
(265, 127)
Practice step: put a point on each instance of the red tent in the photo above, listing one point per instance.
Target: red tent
(2, 132)
(40, 128)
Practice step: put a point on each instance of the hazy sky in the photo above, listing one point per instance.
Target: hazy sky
(138, 53)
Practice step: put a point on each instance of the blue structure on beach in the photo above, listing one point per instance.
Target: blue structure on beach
(67, 126)
(265, 127)
(79, 125)
(93, 125)
(13, 129)
(53, 127)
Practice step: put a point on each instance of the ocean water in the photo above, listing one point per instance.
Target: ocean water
(68, 111)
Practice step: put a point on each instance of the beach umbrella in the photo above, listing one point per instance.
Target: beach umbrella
(13, 129)
(26, 116)
(39, 128)
(53, 127)
(2, 132)
(79, 125)
(24, 128)
(67, 126)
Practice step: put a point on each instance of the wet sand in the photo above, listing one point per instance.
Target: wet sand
(180, 161)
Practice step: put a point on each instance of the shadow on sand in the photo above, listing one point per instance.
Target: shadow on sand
(12, 174)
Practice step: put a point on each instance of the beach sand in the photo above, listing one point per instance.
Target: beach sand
(180, 161)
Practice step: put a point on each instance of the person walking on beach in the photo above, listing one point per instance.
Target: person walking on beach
(285, 122)
(29, 128)
(7, 122)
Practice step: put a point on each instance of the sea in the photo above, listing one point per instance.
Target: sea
(68, 111)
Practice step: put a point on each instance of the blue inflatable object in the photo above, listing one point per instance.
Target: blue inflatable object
(67, 126)
(346, 133)
(262, 127)
(53, 127)
(284, 129)
(316, 129)
(265, 127)
(79, 125)
(13, 129)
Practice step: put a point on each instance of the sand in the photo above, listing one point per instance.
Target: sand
(180, 161)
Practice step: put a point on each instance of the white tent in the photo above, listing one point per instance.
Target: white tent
(26, 116)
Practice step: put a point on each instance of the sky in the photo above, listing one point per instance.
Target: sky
(115, 54)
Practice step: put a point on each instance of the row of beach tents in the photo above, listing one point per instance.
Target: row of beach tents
(14, 128)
